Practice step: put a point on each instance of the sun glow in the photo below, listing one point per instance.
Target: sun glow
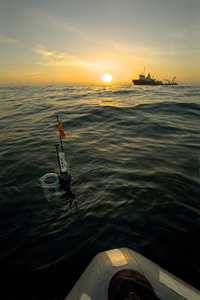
(107, 78)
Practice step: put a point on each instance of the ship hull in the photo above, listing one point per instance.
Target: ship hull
(171, 83)
(143, 82)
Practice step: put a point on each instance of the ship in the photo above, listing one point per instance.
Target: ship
(148, 80)
(173, 82)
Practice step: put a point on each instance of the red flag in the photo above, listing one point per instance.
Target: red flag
(62, 134)
(59, 124)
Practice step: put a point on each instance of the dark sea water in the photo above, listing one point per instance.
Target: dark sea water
(134, 156)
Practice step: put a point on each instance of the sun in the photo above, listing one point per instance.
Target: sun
(107, 78)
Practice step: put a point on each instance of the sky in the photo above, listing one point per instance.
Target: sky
(78, 41)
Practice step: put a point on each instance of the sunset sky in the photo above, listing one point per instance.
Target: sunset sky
(78, 41)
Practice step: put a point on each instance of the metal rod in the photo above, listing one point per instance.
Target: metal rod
(57, 145)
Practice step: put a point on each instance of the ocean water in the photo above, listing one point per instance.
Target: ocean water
(134, 156)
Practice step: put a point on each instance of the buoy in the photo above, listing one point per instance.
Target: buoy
(51, 186)
(49, 180)
(64, 175)
(55, 184)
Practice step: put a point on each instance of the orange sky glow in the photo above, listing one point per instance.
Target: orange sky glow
(43, 42)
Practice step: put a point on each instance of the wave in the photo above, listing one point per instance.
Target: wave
(133, 155)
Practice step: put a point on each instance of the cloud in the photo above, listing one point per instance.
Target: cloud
(21, 73)
(55, 58)
(6, 39)
(187, 39)
(119, 45)
(79, 32)
(158, 51)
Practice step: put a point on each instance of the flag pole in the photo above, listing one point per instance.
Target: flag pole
(60, 137)
(57, 145)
